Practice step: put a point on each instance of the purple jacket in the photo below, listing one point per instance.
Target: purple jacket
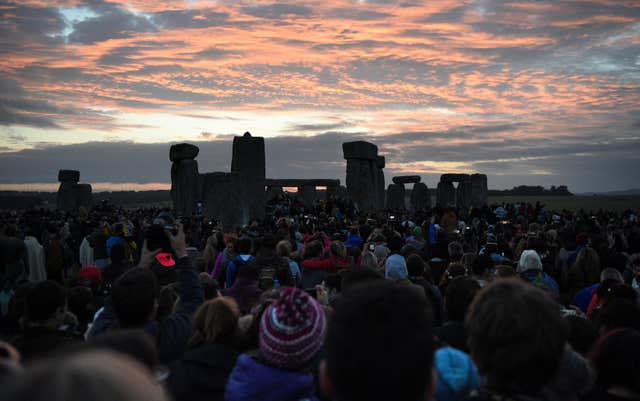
(245, 292)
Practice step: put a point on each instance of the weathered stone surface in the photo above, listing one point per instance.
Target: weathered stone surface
(221, 197)
(359, 150)
(84, 196)
(446, 194)
(307, 194)
(454, 177)
(68, 176)
(72, 195)
(365, 177)
(395, 197)
(479, 190)
(406, 179)
(186, 187)
(463, 195)
(249, 162)
(183, 151)
(420, 197)
(342, 192)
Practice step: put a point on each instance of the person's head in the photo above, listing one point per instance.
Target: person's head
(395, 244)
(215, 322)
(358, 345)
(529, 260)
(92, 375)
(118, 253)
(618, 313)
(230, 243)
(395, 268)
(313, 249)
(616, 358)
(582, 333)
(268, 242)
(209, 285)
(588, 257)
(482, 265)
(292, 330)
(504, 271)
(611, 274)
(416, 265)
(458, 296)
(516, 336)
(135, 343)
(45, 301)
(244, 245)
(337, 248)
(352, 278)
(80, 303)
(284, 248)
(455, 251)
(135, 297)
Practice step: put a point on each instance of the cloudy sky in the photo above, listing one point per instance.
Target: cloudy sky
(529, 92)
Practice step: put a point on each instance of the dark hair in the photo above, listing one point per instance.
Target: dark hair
(248, 271)
(516, 336)
(80, 298)
(582, 334)
(209, 285)
(135, 343)
(134, 295)
(117, 253)
(481, 264)
(269, 242)
(353, 277)
(215, 321)
(616, 357)
(416, 265)
(43, 300)
(357, 344)
(458, 296)
(313, 249)
(619, 313)
(395, 244)
(244, 245)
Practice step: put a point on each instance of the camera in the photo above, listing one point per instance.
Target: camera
(155, 234)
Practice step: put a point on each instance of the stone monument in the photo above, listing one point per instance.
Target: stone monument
(365, 177)
(71, 195)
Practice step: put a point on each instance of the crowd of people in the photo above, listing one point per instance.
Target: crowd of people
(511, 302)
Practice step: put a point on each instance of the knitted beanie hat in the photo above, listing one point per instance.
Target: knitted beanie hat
(292, 329)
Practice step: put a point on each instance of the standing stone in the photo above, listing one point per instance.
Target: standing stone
(249, 163)
(183, 151)
(72, 195)
(307, 194)
(463, 194)
(365, 178)
(68, 176)
(446, 194)
(420, 197)
(395, 197)
(221, 196)
(479, 190)
(186, 185)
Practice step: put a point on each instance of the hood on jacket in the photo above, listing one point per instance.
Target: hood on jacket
(457, 374)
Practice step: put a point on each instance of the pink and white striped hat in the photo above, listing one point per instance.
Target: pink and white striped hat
(292, 329)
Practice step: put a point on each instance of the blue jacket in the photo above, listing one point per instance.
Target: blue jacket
(171, 333)
(251, 380)
(354, 240)
(233, 267)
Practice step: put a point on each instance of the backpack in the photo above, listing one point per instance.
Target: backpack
(269, 272)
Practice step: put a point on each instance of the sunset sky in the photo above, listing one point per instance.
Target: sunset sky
(528, 92)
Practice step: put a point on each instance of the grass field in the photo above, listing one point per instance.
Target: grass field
(618, 203)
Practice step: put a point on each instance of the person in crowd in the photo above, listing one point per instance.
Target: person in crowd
(516, 336)
(284, 250)
(482, 270)
(134, 300)
(245, 291)
(616, 358)
(417, 269)
(116, 238)
(117, 267)
(291, 335)
(45, 325)
(395, 267)
(35, 256)
(354, 240)
(202, 373)
(457, 299)
(273, 269)
(91, 375)
(365, 318)
(585, 271)
(530, 269)
(245, 245)
(228, 254)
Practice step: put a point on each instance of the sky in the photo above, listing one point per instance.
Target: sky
(528, 92)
